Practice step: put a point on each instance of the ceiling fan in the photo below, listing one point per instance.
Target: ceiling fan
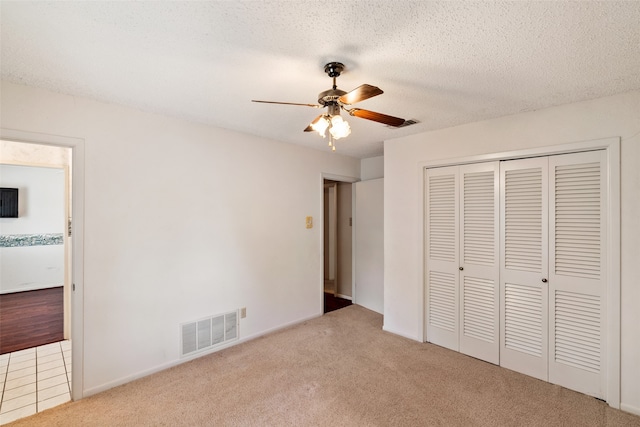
(335, 100)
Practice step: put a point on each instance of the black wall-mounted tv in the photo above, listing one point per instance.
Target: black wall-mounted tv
(8, 203)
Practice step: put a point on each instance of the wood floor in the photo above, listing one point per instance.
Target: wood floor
(30, 319)
(332, 302)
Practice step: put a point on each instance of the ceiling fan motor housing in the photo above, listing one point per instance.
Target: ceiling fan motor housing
(333, 69)
(330, 97)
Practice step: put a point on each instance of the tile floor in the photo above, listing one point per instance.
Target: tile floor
(34, 379)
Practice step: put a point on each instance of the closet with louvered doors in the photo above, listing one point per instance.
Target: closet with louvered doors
(462, 263)
(553, 269)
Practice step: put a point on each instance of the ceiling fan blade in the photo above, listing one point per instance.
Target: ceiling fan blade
(376, 117)
(309, 128)
(288, 103)
(360, 93)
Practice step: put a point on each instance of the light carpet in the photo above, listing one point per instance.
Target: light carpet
(340, 369)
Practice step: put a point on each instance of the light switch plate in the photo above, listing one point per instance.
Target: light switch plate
(309, 221)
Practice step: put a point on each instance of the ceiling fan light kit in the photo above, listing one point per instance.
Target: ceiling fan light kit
(339, 127)
(335, 100)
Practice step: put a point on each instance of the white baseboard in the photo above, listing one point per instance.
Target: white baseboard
(371, 307)
(120, 381)
(387, 329)
(344, 297)
(630, 408)
(277, 328)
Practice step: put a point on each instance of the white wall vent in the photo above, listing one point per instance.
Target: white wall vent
(406, 123)
(208, 333)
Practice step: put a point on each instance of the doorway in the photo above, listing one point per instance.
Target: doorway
(34, 248)
(338, 245)
(36, 286)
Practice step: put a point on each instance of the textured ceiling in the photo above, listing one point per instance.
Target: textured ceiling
(441, 63)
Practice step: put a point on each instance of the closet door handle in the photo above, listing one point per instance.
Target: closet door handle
(460, 268)
(544, 280)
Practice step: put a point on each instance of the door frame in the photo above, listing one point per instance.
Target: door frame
(612, 149)
(77, 246)
(350, 180)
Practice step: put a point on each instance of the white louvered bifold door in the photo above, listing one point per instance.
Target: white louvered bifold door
(577, 259)
(441, 251)
(479, 261)
(524, 266)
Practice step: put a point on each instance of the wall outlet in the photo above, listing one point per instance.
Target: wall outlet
(243, 312)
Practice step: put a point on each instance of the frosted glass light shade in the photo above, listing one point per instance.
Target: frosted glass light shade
(321, 126)
(339, 127)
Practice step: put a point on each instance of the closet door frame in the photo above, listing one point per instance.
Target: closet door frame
(612, 149)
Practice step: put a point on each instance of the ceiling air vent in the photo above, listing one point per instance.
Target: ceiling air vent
(405, 124)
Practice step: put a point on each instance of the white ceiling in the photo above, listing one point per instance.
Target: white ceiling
(441, 63)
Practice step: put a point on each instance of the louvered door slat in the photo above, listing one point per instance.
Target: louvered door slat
(574, 228)
(479, 308)
(442, 301)
(523, 319)
(577, 348)
(442, 217)
(479, 218)
(523, 219)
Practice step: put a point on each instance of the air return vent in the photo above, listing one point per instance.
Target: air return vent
(209, 332)
(405, 124)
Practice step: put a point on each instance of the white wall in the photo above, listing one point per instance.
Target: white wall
(372, 168)
(41, 198)
(602, 118)
(182, 221)
(369, 244)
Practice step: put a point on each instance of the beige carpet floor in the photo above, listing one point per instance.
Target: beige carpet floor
(337, 370)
